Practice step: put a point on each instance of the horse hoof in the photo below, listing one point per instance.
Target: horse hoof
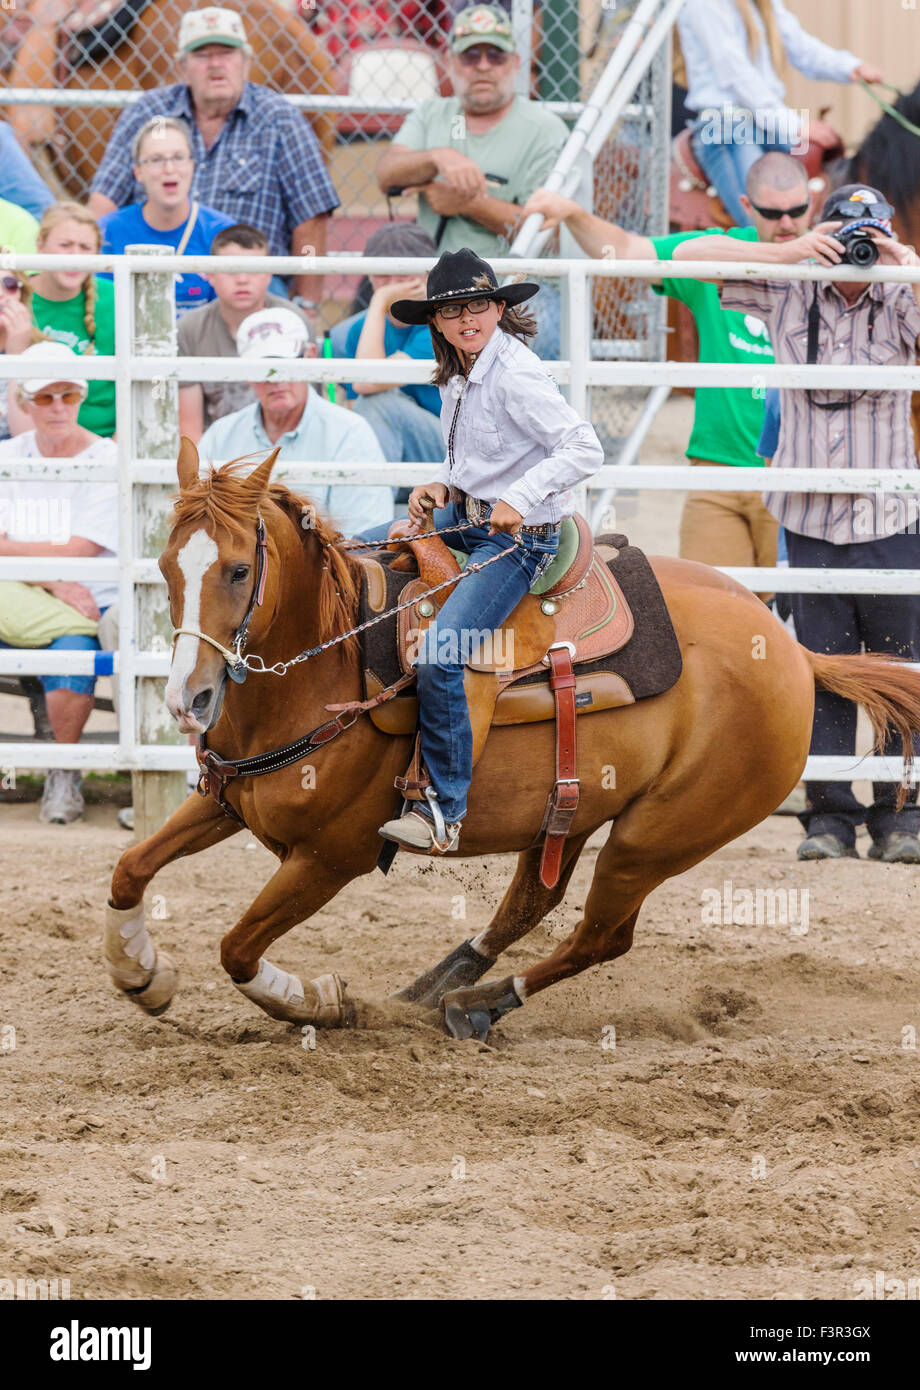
(470, 1013)
(156, 995)
(334, 1007)
(462, 1024)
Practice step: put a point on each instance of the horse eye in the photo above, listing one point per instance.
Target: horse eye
(239, 573)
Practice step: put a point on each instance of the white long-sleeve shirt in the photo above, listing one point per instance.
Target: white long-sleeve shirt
(721, 71)
(516, 440)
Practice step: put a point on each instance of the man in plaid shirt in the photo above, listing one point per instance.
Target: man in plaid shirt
(256, 157)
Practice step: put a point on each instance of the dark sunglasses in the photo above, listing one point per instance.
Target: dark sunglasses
(497, 57)
(10, 283)
(774, 214)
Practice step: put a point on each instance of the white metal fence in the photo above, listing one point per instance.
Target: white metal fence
(577, 373)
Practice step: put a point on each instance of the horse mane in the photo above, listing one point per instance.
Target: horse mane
(225, 502)
(889, 157)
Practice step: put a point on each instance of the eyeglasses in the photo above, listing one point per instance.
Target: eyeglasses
(471, 57)
(69, 397)
(10, 283)
(475, 306)
(774, 214)
(157, 161)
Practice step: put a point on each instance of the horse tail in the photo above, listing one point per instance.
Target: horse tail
(888, 690)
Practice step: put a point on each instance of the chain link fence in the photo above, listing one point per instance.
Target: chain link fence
(339, 60)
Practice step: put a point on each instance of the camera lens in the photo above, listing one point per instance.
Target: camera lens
(861, 251)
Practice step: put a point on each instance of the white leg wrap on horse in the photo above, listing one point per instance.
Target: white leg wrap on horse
(133, 961)
(520, 987)
(284, 997)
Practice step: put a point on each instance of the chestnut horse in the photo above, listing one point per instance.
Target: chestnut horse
(72, 140)
(694, 767)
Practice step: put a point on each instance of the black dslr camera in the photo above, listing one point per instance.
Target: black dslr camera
(859, 209)
(859, 248)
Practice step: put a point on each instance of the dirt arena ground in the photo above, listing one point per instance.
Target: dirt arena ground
(731, 1111)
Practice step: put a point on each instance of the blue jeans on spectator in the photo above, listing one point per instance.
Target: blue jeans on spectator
(19, 181)
(406, 431)
(478, 605)
(81, 685)
(839, 624)
(547, 310)
(726, 162)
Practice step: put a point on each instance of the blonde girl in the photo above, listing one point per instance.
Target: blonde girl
(76, 307)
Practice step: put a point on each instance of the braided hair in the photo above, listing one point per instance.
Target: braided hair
(75, 212)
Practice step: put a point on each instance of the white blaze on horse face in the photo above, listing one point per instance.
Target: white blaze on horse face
(195, 559)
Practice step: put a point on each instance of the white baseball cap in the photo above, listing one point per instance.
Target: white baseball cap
(272, 333)
(42, 352)
(213, 25)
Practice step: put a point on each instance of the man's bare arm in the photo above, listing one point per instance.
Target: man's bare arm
(309, 239)
(595, 236)
(99, 205)
(402, 167)
(818, 245)
(191, 410)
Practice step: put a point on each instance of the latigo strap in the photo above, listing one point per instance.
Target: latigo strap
(562, 802)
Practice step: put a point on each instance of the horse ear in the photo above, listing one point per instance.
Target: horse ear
(187, 464)
(257, 482)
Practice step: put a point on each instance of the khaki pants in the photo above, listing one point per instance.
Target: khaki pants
(727, 528)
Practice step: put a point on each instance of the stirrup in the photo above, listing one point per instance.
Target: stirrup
(432, 836)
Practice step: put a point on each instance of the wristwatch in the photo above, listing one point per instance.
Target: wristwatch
(308, 305)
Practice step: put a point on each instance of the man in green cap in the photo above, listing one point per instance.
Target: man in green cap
(476, 157)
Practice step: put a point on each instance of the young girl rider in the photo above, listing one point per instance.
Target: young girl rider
(514, 449)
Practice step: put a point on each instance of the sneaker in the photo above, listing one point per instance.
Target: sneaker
(897, 847)
(62, 800)
(415, 831)
(826, 847)
(126, 817)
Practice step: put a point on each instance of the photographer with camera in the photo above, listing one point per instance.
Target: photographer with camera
(869, 324)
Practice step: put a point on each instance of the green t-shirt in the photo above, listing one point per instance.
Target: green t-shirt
(18, 229)
(522, 148)
(727, 420)
(64, 321)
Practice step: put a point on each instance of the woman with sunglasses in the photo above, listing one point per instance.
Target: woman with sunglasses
(734, 51)
(50, 517)
(17, 332)
(514, 449)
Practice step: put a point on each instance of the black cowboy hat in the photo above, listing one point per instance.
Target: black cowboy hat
(454, 277)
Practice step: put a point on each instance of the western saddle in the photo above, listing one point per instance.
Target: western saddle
(575, 613)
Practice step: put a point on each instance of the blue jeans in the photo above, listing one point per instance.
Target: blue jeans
(406, 431)
(478, 605)
(726, 164)
(78, 642)
(19, 182)
(547, 310)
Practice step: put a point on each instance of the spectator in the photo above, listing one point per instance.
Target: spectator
(308, 428)
(405, 419)
(45, 517)
(17, 332)
(18, 229)
(163, 166)
(211, 331)
(19, 180)
(733, 50)
(256, 157)
(869, 324)
(449, 146)
(717, 528)
(76, 307)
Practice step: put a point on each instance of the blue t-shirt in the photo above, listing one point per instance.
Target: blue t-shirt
(768, 442)
(415, 341)
(128, 227)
